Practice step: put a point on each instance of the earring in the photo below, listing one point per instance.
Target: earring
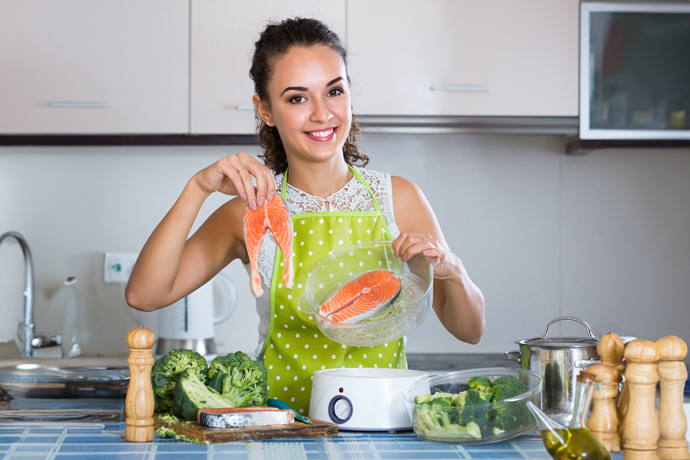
(268, 123)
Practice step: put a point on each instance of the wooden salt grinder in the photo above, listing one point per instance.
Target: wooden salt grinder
(139, 399)
(641, 424)
(672, 422)
(603, 421)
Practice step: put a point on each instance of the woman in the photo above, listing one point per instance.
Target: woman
(308, 135)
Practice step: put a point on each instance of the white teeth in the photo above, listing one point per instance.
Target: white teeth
(324, 133)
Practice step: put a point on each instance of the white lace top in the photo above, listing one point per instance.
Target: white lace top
(354, 196)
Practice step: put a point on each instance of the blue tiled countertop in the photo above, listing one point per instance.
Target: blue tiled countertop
(106, 441)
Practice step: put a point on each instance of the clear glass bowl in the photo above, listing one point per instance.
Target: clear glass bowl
(509, 417)
(407, 312)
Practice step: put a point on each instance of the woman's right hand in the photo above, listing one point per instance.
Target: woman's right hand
(236, 174)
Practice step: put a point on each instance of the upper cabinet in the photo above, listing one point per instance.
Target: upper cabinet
(73, 67)
(94, 67)
(464, 57)
(223, 37)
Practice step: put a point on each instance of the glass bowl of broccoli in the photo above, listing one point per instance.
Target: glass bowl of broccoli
(475, 406)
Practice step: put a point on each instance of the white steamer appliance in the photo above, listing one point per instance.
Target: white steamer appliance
(368, 399)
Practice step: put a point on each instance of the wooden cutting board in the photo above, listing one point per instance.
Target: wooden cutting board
(193, 430)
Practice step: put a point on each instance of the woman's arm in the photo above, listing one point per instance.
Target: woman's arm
(171, 265)
(458, 302)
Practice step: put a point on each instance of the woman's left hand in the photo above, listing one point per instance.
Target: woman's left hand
(409, 244)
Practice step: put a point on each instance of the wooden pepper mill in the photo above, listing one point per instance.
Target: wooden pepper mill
(139, 399)
(641, 424)
(672, 422)
(603, 421)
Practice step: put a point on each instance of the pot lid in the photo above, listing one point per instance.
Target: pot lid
(562, 342)
(559, 342)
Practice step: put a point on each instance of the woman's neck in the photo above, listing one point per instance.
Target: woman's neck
(319, 179)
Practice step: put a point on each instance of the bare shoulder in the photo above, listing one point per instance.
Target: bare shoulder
(405, 189)
(407, 193)
(412, 210)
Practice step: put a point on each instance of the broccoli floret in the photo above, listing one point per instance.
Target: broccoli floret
(191, 394)
(436, 423)
(218, 371)
(474, 407)
(502, 392)
(509, 415)
(510, 381)
(481, 385)
(168, 368)
(438, 399)
(240, 379)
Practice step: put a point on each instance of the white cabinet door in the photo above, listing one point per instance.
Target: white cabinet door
(464, 57)
(223, 36)
(94, 67)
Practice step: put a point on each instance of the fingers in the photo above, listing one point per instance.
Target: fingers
(410, 243)
(252, 180)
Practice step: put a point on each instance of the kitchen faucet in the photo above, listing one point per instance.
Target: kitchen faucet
(25, 331)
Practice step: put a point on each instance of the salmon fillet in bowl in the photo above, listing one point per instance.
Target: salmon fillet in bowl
(363, 295)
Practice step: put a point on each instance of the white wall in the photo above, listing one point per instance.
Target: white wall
(604, 236)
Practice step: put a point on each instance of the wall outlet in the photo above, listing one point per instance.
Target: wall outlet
(118, 266)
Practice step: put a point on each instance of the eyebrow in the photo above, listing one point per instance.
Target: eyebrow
(304, 88)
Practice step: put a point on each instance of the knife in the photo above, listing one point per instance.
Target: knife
(272, 402)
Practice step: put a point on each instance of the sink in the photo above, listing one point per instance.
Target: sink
(34, 379)
(75, 390)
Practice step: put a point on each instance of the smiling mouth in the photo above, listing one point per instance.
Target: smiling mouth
(323, 134)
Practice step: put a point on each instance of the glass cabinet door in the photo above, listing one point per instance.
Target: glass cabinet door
(635, 71)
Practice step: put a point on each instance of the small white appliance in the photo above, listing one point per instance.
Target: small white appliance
(368, 399)
(189, 322)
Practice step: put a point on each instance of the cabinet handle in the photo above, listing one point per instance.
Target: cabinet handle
(463, 88)
(78, 105)
(244, 107)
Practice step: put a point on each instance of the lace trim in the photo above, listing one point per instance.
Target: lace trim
(354, 196)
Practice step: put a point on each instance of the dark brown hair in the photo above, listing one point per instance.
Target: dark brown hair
(275, 41)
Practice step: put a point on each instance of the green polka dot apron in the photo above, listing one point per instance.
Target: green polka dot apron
(294, 347)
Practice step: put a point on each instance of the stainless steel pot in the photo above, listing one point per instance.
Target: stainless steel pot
(557, 361)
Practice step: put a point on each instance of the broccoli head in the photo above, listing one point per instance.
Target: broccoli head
(192, 394)
(240, 379)
(168, 368)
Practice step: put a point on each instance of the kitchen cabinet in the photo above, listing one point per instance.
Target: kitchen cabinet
(464, 57)
(94, 67)
(222, 37)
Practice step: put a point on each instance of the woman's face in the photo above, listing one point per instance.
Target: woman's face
(310, 103)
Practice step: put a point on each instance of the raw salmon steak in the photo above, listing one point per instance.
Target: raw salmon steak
(362, 297)
(273, 216)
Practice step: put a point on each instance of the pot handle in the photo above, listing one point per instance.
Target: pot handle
(512, 356)
(585, 363)
(571, 318)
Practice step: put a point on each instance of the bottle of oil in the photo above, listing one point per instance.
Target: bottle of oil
(576, 442)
